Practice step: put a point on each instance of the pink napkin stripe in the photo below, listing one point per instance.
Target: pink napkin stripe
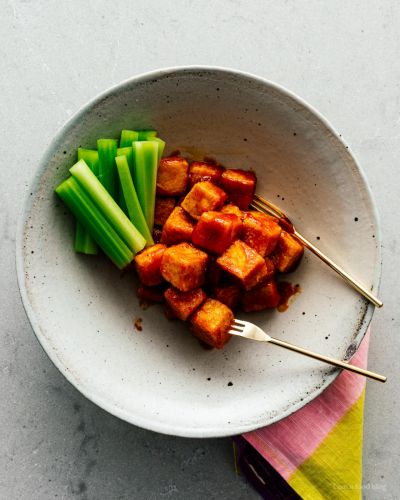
(285, 444)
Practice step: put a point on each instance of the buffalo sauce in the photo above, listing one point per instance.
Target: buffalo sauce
(286, 225)
(138, 324)
(286, 290)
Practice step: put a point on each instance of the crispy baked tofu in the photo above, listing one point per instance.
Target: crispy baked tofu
(260, 232)
(239, 186)
(151, 293)
(215, 231)
(270, 268)
(211, 323)
(172, 176)
(228, 295)
(264, 297)
(184, 266)
(177, 228)
(169, 313)
(203, 197)
(201, 171)
(148, 263)
(244, 264)
(163, 209)
(184, 304)
(230, 208)
(287, 253)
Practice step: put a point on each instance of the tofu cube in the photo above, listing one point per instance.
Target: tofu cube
(163, 209)
(201, 171)
(184, 304)
(270, 267)
(169, 313)
(239, 186)
(148, 263)
(178, 227)
(211, 323)
(184, 266)
(260, 298)
(151, 293)
(287, 253)
(172, 176)
(203, 197)
(260, 232)
(215, 232)
(244, 264)
(230, 208)
(228, 295)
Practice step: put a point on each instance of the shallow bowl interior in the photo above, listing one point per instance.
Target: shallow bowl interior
(83, 310)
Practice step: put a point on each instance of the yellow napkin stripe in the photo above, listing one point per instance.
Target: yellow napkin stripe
(334, 470)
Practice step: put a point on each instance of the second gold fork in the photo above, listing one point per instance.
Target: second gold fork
(262, 205)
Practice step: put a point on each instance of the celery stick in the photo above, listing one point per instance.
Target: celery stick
(91, 157)
(145, 155)
(126, 151)
(103, 201)
(107, 172)
(86, 212)
(144, 135)
(161, 146)
(121, 200)
(127, 137)
(130, 196)
(84, 243)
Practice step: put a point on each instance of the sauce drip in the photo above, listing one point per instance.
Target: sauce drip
(138, 324)
(286, 290)
(144, 304)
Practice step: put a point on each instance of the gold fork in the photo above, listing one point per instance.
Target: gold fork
(250, 331)
(262, 205)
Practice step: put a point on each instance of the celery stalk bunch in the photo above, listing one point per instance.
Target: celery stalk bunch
(111, 193)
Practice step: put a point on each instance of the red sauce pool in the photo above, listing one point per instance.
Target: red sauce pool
(138, 324)
(286, 290)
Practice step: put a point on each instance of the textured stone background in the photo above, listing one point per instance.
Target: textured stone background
(342, 57)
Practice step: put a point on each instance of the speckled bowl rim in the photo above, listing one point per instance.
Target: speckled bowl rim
(45, 343)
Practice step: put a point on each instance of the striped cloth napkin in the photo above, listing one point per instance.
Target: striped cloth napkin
(315, 453)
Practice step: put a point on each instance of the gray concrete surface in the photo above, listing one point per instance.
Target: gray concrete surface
(343, 57)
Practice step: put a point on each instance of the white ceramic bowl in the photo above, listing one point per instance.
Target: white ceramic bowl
(82, 311)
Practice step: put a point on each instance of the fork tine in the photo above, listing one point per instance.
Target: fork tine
(262, 201)
(239, 323)
(261, 208)
(261, 204)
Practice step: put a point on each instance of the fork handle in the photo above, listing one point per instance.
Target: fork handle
(351, 281)
(327, 359)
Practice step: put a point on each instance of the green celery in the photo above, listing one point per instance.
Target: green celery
(130, 197)
(161, 146)
(145, 154)
(86, 212)
(127, 137)
(107, 149)
(91, 158)
(126, 151)
(103, 201)
(144, 135)
(84, 243)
